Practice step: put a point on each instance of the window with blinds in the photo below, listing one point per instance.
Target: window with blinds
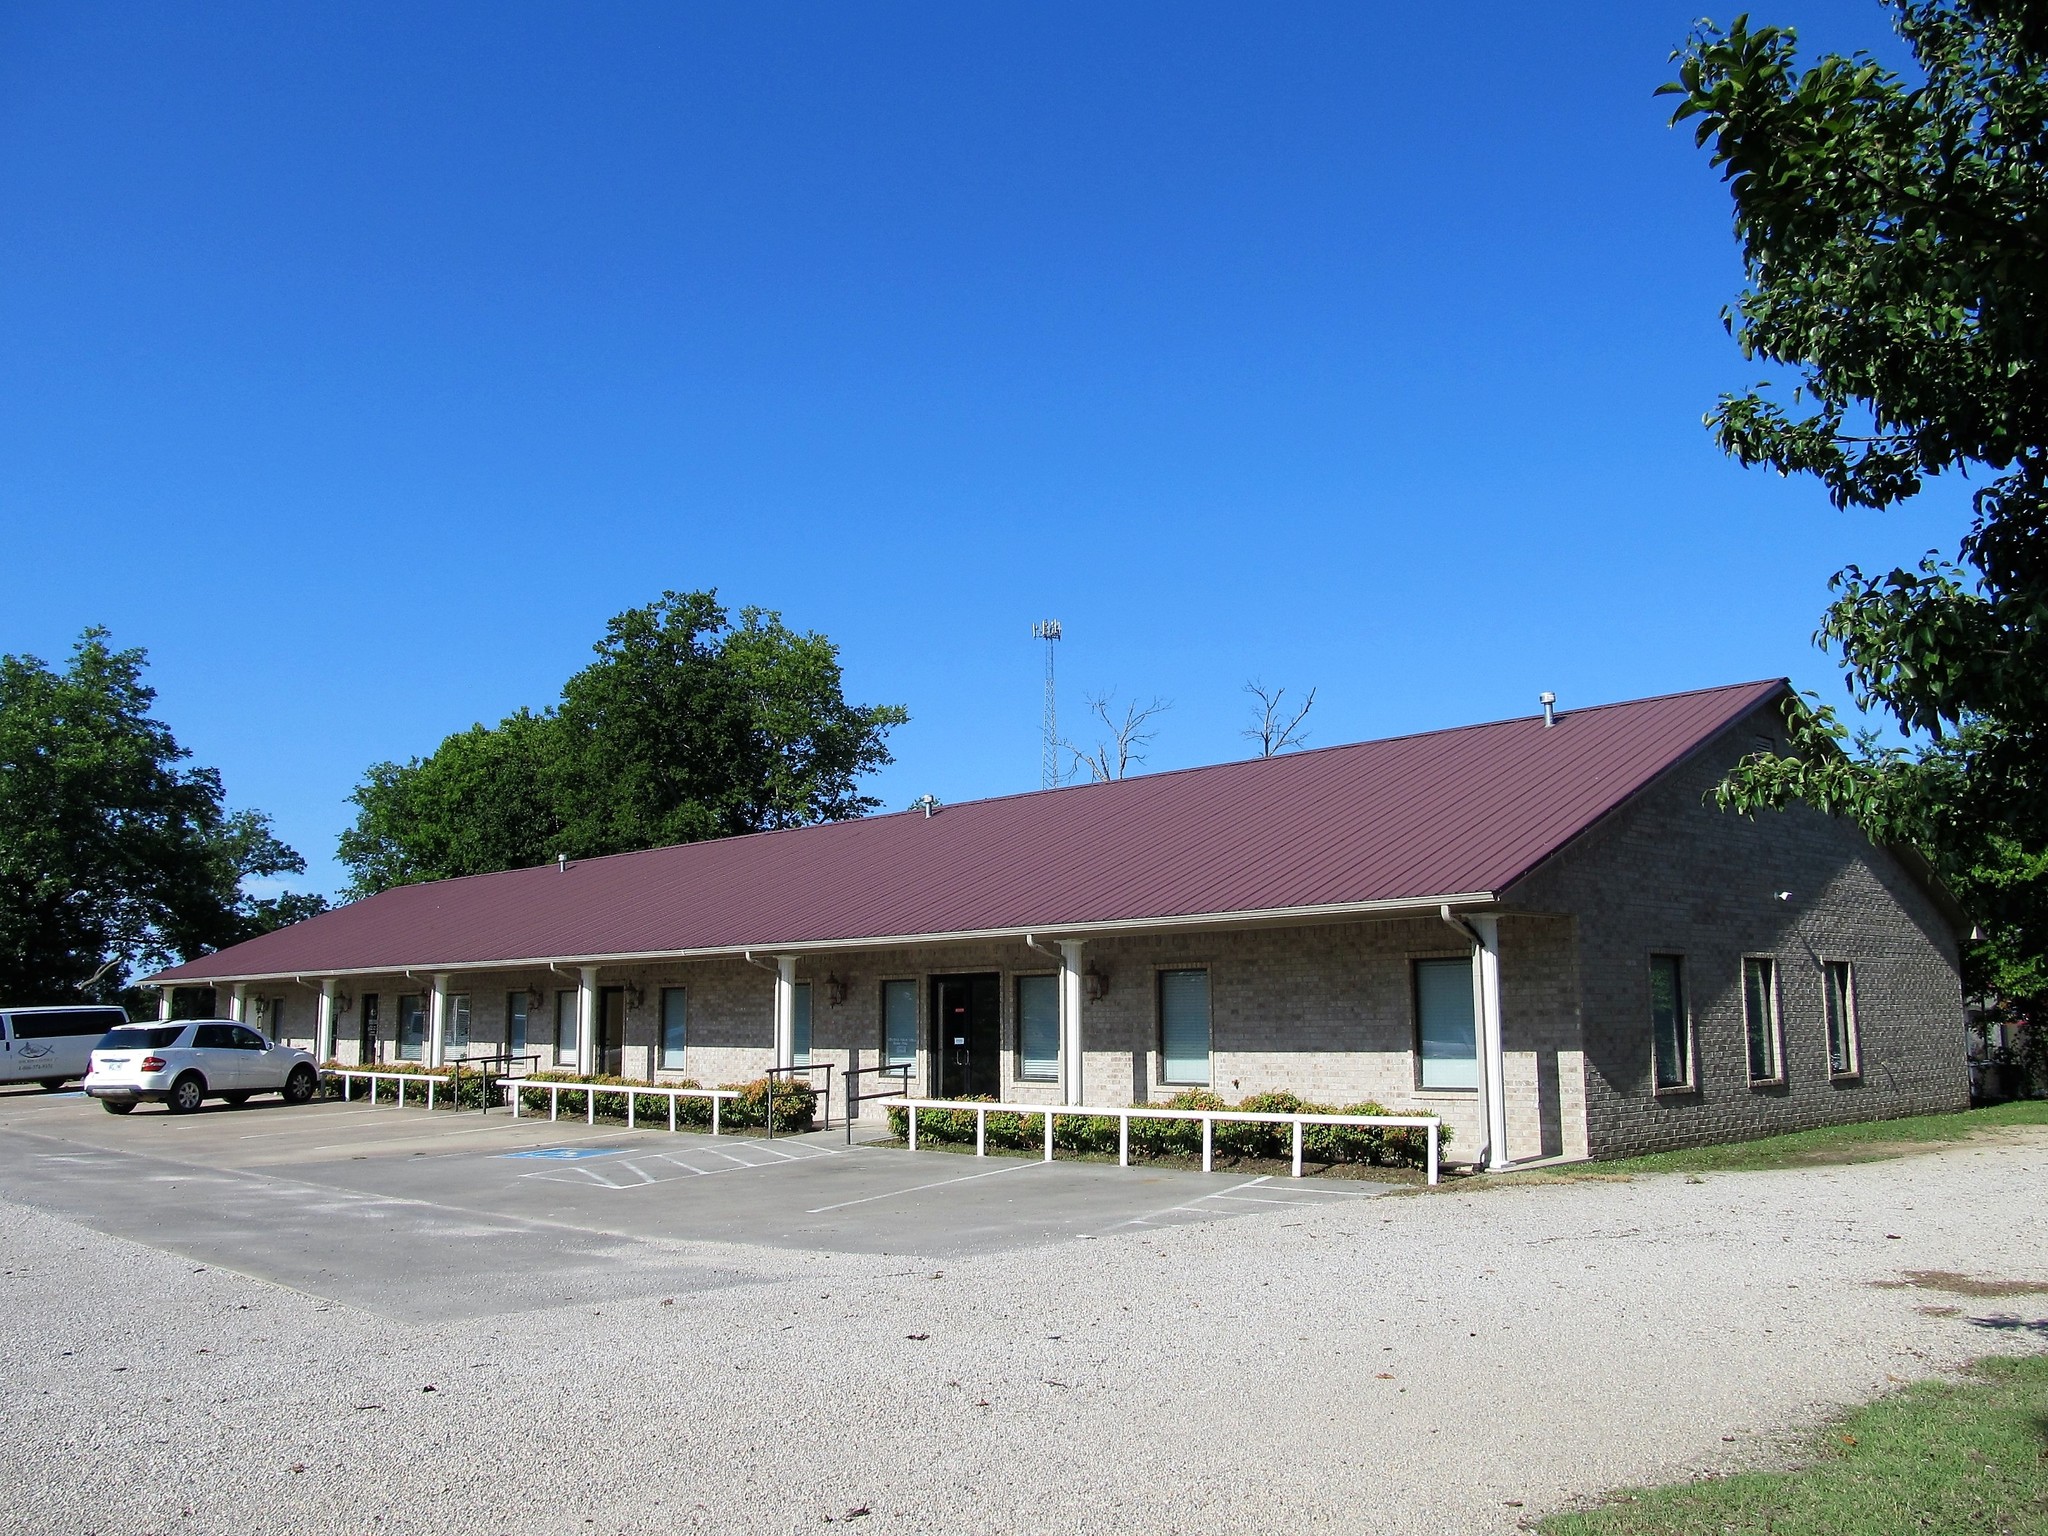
(1447, 1035)
(1760, 1018)
(1840, 986)
(515, 1021)
(1184, 1027)
(1038, 1028)
(675, 1027)
(899, 1023)
(803, 1024)
(1670, 1024)
(565, 1028)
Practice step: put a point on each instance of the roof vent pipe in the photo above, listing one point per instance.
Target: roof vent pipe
(1549, 702)
(561, 863)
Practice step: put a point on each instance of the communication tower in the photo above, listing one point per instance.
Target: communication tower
(1048, 630)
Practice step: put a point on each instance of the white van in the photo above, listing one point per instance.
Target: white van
(52, 1046)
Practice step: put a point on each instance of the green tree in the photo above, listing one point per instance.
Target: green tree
(1894, 234)
(692, 723)
(112, 855)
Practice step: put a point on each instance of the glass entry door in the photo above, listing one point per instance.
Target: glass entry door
(967, 1016)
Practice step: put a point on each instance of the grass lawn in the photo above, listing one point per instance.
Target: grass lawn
(1864, 1142)
(1939, 1458)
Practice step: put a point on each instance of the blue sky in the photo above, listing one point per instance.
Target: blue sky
(360, 360)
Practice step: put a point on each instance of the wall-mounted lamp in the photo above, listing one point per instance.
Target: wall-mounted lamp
(262, 1006)
(836, 988)
(635, 994)
(535, 997)
(1095, 983)
(343, 1002)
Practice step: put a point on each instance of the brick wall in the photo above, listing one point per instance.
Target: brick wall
(1325, 1011)
(1670, 874)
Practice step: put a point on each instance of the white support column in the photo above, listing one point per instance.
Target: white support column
(1072, 1000)
(437, 1022)
(163, 1001)
(785, 1010)
(586, 1021)
(323, 1030)
(238, 1002)
(1493, 1103)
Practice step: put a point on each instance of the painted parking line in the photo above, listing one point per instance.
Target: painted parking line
(639, 1172)
(891, 1194)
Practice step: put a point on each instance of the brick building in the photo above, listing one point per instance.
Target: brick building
(1538, 928)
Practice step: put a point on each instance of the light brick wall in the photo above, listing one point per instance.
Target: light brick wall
(1325, 1011)
(1671, 874)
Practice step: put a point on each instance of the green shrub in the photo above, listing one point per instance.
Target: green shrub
(796, 1104)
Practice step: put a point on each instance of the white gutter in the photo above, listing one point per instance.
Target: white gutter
(1416, 906)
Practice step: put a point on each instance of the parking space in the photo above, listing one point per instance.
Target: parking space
(438, 1214)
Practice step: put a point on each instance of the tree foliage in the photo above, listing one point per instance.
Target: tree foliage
(112, 854)
(1894, 234)
(692, 723)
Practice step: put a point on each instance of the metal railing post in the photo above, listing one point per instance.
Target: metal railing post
(1048, 1135)
(1297, 1149)
(1123, 1139)
(981, 1133)
(1208, 1143)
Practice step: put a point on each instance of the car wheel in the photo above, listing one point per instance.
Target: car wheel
(118, 1106)
(52, 1084)
(300, 1087)
(237, 1100)
(187, 1093)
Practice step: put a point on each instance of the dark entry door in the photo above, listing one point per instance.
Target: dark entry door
(611, 1031)
(967, 1013)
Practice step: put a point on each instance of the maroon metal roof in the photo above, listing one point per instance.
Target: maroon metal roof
(1451, 812)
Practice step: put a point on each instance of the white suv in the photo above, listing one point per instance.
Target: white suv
(184, 1063)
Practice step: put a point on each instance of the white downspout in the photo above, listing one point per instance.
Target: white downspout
(782, 1027)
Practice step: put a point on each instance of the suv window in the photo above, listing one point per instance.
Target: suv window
(244, 1039)
(214, 1037)
(141, 1037)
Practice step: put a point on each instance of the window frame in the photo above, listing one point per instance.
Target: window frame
(1853, 1032)
(1776, 1034)
(425, 1010)
(567, 1054)
(662, 1054)
(516, 1018)
(1686, 1035)
(458, 1022)
(1415, 963)
(1017, 980)
(882, 1015)
(1159, 975)
(800, 1048)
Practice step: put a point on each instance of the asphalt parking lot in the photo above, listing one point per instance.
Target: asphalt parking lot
(439, 1215)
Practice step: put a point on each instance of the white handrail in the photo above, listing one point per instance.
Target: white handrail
(1126, 1113)
(590, 1091)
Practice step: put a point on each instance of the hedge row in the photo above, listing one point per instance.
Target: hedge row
(1387, 1146)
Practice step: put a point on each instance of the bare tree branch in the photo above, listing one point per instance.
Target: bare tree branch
(1113, 758)
(1276, 730)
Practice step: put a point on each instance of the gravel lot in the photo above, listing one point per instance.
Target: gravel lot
(1457, 1363)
